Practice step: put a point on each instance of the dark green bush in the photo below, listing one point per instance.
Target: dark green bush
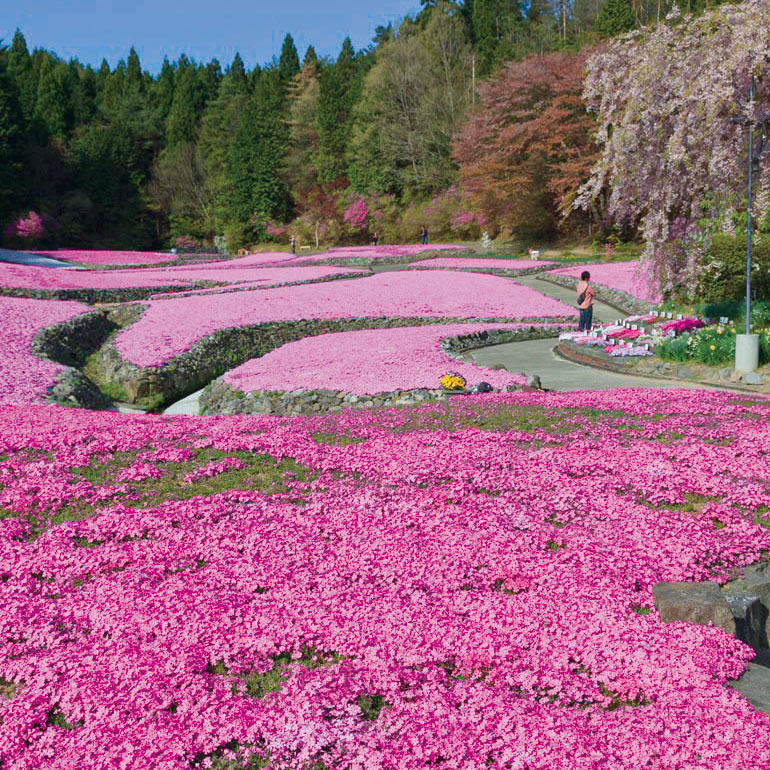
(724, 272)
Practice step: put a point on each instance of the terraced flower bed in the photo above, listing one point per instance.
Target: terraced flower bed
(369, 368)
(24, 377)
(365, 255)
(508, 267)
(104, 258)
(622, 284)
(464, 585)
(131, 285)
(169, 328)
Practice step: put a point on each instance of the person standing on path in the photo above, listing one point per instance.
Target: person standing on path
(423, 235)
(585, 301)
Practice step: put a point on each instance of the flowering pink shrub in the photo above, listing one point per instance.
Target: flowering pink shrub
(186, 242)
(356, 213)
(171, 326)
(623, 276)
(428, 589)
(96, 258)
(367, 362)
(25, 378)
(274, 230)
(30, 228)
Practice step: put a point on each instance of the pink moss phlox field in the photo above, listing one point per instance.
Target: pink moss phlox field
(27, 277)
(25, 378)
(13, 276)
(254, 277)
(169, 327)
(623, 276)
(263, 259)
(377, 252)
(462, 263)
(367, 362)
(472, 599)
(96, 258)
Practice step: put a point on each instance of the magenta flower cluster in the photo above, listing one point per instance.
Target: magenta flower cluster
(433, 596)
(30, 227)
(25, 378)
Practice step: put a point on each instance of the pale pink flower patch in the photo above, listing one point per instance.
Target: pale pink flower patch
(96, 258)
(368, 362)
(471, 263)
(169, 327)
(629, 277)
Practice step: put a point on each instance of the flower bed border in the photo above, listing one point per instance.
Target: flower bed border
(501, 271)
(404, 259)
(655, 368)
(616, 298)
(232, 289)
(151, 388)
(220, 398)
(104, 296)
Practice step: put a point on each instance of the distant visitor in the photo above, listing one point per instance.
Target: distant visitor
(585, 301)
(423, 235)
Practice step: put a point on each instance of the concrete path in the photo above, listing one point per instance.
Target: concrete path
(35, 260)
(188, 405)
(602, 311)
(536, 357)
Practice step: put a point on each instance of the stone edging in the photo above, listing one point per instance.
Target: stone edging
(210, 357)
(220, 398)
(402, 260)
(70, 343)
(654, 368)
(501, 271)
(104, 296)
(233, 289)
(614, 297)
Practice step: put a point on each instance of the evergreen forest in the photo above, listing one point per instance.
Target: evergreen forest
(465, 117)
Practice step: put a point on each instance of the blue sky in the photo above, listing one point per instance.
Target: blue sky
(92, 29)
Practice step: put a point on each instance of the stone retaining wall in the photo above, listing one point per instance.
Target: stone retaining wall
(220, 398)
(402, 260)
(233, 289)
(501, 271)
(104, 296)
(70, 343)
(618, 299)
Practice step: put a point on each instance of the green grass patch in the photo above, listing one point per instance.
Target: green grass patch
(260, 473)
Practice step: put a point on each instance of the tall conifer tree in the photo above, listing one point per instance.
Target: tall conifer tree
(288, 65)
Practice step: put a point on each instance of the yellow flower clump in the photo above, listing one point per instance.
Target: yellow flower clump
(452, 382)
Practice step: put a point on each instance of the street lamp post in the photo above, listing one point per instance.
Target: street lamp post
(747, 345)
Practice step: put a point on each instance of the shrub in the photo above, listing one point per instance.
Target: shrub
(724, 272)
